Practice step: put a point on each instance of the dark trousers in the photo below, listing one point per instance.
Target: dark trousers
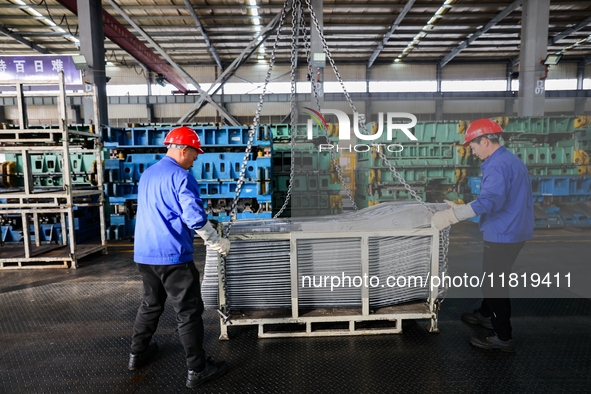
(498, 258)
(180, 282)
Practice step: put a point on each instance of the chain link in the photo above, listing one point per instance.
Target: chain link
(445, 240)
(335, 162)
(413, 193)
(295, 17)
(257, 116)
(225, 308)
(362, 120)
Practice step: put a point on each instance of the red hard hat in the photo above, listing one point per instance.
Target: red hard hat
(481, 127)
(183, 136)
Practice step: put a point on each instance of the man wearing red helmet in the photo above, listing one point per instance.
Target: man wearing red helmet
(169, 211)
(505, 206)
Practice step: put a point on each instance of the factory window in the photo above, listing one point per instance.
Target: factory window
(489, 85)
(402, 86)
(561, 84)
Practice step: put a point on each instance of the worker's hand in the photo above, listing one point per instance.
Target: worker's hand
(443, 219)
(452, 204)
(222, 247)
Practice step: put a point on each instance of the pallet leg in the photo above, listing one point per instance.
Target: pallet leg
(223, 331)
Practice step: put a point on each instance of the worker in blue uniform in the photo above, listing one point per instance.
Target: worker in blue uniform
(505, 206)
(169, 211)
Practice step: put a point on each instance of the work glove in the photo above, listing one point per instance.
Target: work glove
(442, 219)
(212, 239)
(452, 204)
(456, 213)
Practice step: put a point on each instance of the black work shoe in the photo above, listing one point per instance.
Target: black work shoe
(211, 371)
(139, 360)
(476, 318)
(493, 343)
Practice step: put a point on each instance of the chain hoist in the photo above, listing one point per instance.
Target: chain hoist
(295, 17)
(224, 308)
(412, 192)
(298, 21)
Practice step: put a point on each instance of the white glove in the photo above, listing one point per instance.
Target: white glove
(452, 204)
(213, 240)
(222, 247)
(456, 213)
(442, 219)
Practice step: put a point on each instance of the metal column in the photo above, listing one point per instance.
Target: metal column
(534, 41)
(92, 46)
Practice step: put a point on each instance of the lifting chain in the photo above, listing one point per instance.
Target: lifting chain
(335, 162)
(299, 21)
(413, 193)
(295, 18)
(225, 307)
(257, 116)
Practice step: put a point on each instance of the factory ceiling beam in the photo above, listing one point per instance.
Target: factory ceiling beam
(178, 68)
(240, 7)
(125, 39)
(568, 32)
(512, 7)
(387, 36)
(23, 40)
(236, 64)
(204, 34)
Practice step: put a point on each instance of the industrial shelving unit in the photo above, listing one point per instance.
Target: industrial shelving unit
(22, 196)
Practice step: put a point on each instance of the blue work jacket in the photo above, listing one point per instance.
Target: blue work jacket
(505, 202)
(169, 209)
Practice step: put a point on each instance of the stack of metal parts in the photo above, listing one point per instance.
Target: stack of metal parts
(258, 270)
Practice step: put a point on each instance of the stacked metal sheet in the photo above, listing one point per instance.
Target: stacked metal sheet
(396, 262)
(320, 259)
(258, 271)
(258, 277)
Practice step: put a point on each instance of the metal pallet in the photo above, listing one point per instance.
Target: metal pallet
(264, 289)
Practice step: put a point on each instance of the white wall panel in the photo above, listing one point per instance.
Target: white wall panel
(178, 110)
(563, 71)
(347, 72)
(413, 107)
(202, 74)
(128, 111)
(469, 72)
(473, 106)
(403, 72)
(37, 114)
(249, 109)
(559, 105)
(129, 76)
(125, 76)
(256, 73)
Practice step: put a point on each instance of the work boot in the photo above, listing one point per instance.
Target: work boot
(211, 371)
(476, 318)
(493, 343)
(141, 359)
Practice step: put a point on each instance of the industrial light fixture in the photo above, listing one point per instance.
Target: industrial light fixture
(552, 59)
(80, 62)
(161, 80)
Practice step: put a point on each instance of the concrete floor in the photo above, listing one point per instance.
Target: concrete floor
(69, 331)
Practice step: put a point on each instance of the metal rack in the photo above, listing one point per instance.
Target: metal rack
(32, 201)
(267, 289)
